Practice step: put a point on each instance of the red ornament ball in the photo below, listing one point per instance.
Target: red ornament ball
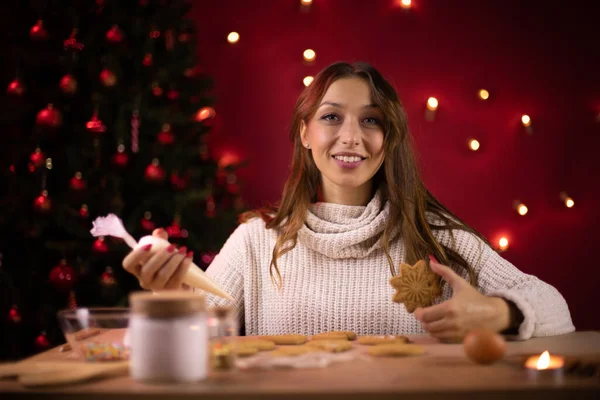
(15, 88)
(83, 211)
(107, 279)
(114, 35)
(42, 204)
(206, 258)
(166, 136)
(172, 94)
(38, 158)
(38, 32)
(68, 84)
(147, 62)
(178, 182)
(14, 316)
(62, 276)
(100, 245)
(108, 78)
(154, 172)
(41, 342)
(147, 223)
(49, 117)
(120, 159)
(77, 182)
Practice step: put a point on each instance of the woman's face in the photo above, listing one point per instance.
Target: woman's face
(346, 137)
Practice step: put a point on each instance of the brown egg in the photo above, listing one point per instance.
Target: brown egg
(484, 346)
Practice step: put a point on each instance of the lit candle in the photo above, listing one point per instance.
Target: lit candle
(545, 365)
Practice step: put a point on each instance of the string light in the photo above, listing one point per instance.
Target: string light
(432, 104)
(474, 144)
(405, 3)
(307, 80)
(569, 202)
(48, 163)
(233, 37)
(503, 243)
(526, 120)
(309, 55)
(520, 207)
(484, 94)
(306, 2)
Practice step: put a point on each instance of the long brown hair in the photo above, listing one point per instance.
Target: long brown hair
(398, 178)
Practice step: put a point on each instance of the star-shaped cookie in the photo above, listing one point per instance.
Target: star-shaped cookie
(416, 286)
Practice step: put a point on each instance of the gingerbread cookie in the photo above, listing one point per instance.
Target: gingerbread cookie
(292, 351)
(245, 351)
(286, 339)
(416, 286)
(396, 350)
(332, 346)
(382, 339)
(330, 336)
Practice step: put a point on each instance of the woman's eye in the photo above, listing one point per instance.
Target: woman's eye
(329, 117)
(371, 121)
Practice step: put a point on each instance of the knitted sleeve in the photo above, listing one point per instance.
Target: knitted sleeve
(226, 270)
(544, 309)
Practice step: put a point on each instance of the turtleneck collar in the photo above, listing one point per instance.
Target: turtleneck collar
(343, 231)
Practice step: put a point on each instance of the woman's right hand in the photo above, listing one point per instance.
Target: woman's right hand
(162, 270)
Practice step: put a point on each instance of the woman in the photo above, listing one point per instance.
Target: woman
(353, 209)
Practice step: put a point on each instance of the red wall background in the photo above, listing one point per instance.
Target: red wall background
(535, 57)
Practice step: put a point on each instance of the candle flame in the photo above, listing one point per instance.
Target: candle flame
(544, 360)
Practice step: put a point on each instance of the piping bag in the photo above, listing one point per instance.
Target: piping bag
(111, 225)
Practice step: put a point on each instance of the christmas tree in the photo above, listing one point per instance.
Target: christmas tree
(107, 110)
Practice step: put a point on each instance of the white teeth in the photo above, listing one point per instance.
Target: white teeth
(348, 159)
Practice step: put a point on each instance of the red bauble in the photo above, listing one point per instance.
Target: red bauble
(62, 276)
(147, 223)
(154, 172)
(14, 316)
(172, 94)
(184, 37)
(107, 279)
(206, 258)
(211, 208)
(114, 35)
(37, 158)
(83, 211)
(100, 245)
(166, 137)
(38, 32)
(15, 88)
(95, 124)
(77, 182)
(204, 114)
(68, 84)
(120, 159)
(178, 182)
(156, 90)
(42, 204)
(41, 342)
(49, 117)
(108, 78)
(147, 62)
(175, 231)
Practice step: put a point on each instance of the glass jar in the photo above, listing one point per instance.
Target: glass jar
(168, 337)
(223, 329)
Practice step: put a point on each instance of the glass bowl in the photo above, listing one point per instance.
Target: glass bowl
(96, 334)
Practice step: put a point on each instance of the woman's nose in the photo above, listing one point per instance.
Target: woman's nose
(350, 134)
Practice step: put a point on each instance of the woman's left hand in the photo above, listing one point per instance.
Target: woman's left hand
(451, 320)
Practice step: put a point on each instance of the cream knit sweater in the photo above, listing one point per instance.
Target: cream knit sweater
(337, 278)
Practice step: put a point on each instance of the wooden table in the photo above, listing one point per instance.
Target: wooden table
(443, 371)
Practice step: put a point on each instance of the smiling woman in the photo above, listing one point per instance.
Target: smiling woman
(354, 209)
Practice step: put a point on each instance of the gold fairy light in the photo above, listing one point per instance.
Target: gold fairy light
(309, 55)
(474, 144)
(307, 80)
(233, 37)
(432, 104)
(483, 94)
